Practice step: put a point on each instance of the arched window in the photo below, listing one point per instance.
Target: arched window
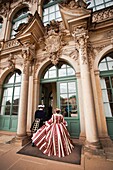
(51, 11)
(61, 70)
(106, 79)
(1, 22)
(99, 4)
(11, 94)
(20, 17)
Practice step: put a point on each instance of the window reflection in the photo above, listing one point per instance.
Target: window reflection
(107, 94)
(68, 100)
(11, 94)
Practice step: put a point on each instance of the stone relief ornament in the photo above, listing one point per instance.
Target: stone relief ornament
(81, 37)
(11, 63)
(53, 46)
(75, 55)
(28, 51)
(91, 55)
(105, 14)
(73, 4)
(4, 9)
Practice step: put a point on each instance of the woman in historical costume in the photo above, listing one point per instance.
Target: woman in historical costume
(53, 137)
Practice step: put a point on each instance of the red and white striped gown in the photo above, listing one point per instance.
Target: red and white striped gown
(53, 137)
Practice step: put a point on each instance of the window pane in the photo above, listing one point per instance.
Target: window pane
(63, 98)
(62, 72)
(109, 4)
(102, 66)
(11, 94)
(58, 15)
(46, 75)
(110, 65)
(51, 9)
(105, 96)
(52, 73)
(15, 110)
(45, 11)
(100, 7)
(71, 87)
(17, 91)
(63, 87)
(7, 110)
(98, 2)
(70, 71)
(109, 59)
(107, 110)
(51, 16)
(57, 7)
(45, 18)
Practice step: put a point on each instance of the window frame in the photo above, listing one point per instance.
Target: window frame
(5, 86)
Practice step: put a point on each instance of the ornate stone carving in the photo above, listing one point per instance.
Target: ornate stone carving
(28, 51)
(98, 48)
(11, 43)
(53, 45)
(81, 36)
(4, 8)
(73, 4)
(11, 63)
(91, 55)
(105, 14)
(28, 54)
(109, 34)
(40, 58)
(75, 55)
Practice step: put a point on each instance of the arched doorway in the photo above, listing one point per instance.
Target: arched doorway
(59, 89)
(10, 101)
(106, 80)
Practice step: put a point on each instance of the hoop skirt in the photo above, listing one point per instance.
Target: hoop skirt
(53, 137)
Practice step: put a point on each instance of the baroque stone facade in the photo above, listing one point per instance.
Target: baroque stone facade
(81, 39)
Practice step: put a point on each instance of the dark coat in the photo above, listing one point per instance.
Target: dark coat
(40, 114)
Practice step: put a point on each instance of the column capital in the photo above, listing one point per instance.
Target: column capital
(28, 51)
(81, 36)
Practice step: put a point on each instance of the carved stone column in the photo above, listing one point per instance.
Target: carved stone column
(92, 140)
(22, 116)
(81, 109)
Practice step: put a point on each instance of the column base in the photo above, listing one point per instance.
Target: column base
(106, 141)
(22, 140)
(82, 138)
(93, 145)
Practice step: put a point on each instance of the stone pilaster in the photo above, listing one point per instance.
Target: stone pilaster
(27, 53)
(81, 110)
(92, 141)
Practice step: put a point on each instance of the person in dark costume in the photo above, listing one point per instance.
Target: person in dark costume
(40, 118)
(40, 114)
